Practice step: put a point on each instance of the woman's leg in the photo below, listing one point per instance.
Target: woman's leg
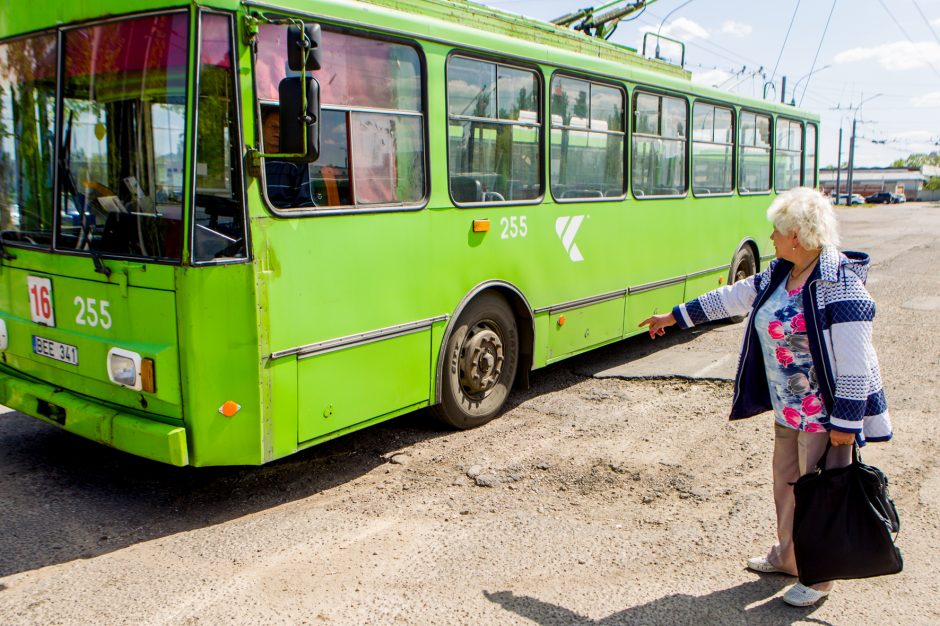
(786, 469)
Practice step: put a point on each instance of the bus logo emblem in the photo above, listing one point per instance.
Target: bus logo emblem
(567, 228)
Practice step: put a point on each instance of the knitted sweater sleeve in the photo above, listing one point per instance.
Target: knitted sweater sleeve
(850, 311)
(720, 303)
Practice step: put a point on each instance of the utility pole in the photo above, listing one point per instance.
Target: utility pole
(839, 168)
(848, 192)
(783, 90)
(852, 147)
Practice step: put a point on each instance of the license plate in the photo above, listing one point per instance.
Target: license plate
(55, 350)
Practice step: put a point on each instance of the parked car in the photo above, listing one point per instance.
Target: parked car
(899, 197)
(882, 197)
(856, 199)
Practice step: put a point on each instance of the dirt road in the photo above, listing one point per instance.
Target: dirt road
(591, 501)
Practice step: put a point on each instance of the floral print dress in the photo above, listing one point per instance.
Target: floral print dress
(791, 377)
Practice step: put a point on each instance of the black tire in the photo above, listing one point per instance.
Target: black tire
(480, 363)
(743, 266)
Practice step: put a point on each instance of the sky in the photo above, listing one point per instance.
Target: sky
(874, 61)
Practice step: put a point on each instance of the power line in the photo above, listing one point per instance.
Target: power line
(812, 68)
(786, 37)
(926, 21)
(901, 28)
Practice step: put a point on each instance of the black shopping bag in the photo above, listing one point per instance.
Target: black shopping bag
(843, 523)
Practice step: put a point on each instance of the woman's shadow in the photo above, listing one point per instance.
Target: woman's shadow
(727, 606)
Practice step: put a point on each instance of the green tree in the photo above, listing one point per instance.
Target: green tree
(915, 161)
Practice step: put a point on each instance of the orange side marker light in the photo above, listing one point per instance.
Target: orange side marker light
(561, 320)
(229, 408)
(148, 376)
(481, 226)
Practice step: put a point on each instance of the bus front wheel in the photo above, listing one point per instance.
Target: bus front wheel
(744, 266)
(481, 357)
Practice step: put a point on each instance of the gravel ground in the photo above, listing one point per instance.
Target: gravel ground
(590, 501)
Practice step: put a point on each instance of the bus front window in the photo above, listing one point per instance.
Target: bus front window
(123, 137)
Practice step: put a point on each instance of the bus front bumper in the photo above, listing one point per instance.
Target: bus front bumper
(137, 435)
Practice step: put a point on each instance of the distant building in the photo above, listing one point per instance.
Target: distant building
(870, 180)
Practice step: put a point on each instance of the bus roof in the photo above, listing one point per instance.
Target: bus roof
(459, 22)
(532, 30)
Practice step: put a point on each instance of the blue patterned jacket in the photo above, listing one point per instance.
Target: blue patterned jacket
(838, 312)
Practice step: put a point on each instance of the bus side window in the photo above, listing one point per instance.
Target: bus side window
(371, 120)
(494, 133)
(789, 154)
(659, 145)
(754, 153)
(587, 139)
(712, 149)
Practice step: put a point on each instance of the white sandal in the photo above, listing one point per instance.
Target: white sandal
(763, 565)
(801, 595)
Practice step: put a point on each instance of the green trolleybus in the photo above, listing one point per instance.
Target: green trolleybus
(231, 230)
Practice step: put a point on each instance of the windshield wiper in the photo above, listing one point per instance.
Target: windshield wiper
(70, 191)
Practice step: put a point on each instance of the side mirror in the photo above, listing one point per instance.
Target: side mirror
(294, 119)
(301, 44)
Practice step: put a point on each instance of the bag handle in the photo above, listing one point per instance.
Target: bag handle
(821, 463)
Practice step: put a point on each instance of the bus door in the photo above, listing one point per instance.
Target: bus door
(348, 309)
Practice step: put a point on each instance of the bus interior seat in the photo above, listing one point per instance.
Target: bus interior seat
(582, 193)
(466, 189)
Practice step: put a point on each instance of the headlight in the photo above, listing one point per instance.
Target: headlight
(3, 335)
(124, 368)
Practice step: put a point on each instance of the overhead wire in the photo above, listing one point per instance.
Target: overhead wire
(901, 28)
(822, 38)
(926, 21)
(785, 38)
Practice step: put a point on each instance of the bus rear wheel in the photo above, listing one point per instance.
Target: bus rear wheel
(480, 363)
(743, 266)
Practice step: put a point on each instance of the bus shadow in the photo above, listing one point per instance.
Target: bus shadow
(67, 498)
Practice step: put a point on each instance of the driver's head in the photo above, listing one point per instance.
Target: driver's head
(271, 129)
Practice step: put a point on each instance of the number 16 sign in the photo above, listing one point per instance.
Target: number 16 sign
(40, 300)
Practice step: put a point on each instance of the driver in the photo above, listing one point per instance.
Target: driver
(288, 183)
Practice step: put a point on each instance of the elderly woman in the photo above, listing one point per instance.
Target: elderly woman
(807, 355)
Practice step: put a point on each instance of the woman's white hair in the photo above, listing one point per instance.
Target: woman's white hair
(808, 214)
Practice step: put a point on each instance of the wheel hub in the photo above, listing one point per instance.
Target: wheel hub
(481, 360)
